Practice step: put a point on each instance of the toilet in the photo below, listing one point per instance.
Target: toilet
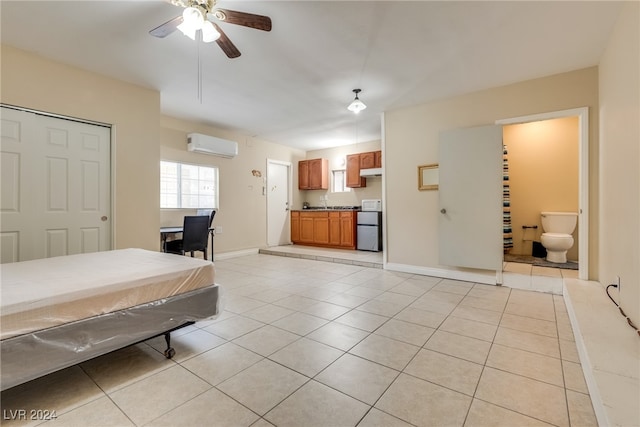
(557, 238)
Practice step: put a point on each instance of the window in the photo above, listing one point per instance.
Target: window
(188, 186)
(340, 181)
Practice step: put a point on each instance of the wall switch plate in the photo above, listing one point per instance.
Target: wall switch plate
(219, 229)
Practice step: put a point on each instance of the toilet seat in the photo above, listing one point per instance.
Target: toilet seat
(557, 235)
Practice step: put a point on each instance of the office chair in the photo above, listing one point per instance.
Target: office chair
(195, 236)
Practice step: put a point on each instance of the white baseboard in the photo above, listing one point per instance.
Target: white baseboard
(488, 278)
(235, 254)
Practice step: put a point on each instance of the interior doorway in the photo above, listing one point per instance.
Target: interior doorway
(278, 192)
(583, 176)
(56, 186)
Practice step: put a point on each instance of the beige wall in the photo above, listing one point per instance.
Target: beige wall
(411, 139)
(620, 160)
(31, 81)
(242, 213)
(543, 176)
(336, 157)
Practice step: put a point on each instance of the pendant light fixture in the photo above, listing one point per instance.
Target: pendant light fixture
(356, 106)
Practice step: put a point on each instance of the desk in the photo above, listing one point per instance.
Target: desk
(165, 231)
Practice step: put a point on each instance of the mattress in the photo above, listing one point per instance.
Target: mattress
(46, 293)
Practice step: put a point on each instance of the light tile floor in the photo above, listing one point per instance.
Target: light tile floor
(303, 342)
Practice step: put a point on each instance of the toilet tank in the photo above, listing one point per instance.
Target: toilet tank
(559, 222)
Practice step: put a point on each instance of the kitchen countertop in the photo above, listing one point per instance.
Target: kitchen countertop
(328, 208)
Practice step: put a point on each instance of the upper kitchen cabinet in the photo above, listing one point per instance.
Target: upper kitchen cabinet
(354, 180)
(313, 174)
(356, 162)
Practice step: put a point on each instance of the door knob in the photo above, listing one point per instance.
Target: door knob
(443, 211)
(103, 219)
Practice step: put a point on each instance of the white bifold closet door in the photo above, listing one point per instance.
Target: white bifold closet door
(470, 198)
(56, 187)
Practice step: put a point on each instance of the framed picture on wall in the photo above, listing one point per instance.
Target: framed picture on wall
(428, 177)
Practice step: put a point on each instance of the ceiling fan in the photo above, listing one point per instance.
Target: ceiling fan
(198, 15)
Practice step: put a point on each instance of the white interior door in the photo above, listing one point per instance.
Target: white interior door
(278, 203)
(56, 190)
(470, 198)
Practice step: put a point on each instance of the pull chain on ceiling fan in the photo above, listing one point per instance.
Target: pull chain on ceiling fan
(197, 15)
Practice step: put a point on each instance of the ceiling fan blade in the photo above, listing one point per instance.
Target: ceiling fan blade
(259, 22)
(225, 44)
(167, 28)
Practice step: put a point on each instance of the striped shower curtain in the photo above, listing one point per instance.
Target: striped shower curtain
(506, 203)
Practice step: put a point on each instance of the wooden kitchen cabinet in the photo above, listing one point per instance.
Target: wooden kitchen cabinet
(295, 226)
(303, 175)
(348, 229)
(378, 159)
(367, 160)
(313, 174)
(335, 229)
(354, 180)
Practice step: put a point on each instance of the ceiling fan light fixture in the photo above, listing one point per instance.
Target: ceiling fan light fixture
(209, 32)
(356, 105)
(192, 21)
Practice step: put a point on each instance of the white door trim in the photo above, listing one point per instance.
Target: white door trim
(583, 180)
(289, 167)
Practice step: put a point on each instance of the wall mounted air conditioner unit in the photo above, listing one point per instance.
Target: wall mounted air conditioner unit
(206, 144)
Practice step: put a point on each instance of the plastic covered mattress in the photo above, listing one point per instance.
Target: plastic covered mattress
(57, 312)
(48, 292)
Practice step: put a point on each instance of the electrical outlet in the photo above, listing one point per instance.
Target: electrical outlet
(618, 283)
(219, 229)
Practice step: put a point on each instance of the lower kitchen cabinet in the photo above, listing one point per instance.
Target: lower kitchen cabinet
(334, 229)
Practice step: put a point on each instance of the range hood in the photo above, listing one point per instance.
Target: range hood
(371, 172)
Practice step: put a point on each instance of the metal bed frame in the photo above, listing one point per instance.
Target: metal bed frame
(29, 356)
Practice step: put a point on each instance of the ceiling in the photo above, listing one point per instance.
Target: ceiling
(292, 85)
